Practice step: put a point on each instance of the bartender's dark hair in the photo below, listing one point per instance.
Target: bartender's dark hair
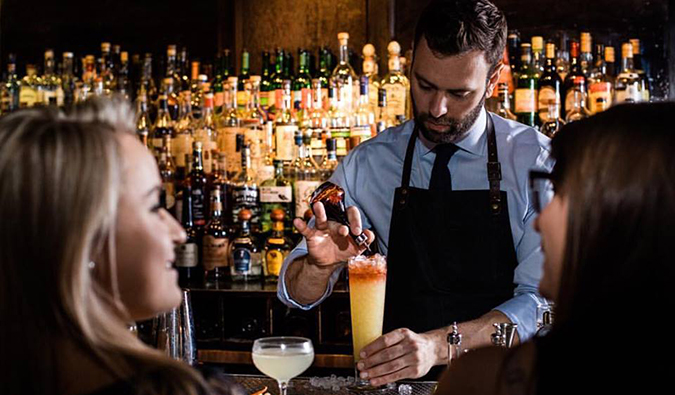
(617, 172)
(454, 27)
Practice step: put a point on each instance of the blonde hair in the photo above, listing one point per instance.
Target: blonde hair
(60, 179)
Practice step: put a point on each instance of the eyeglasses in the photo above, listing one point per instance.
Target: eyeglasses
(542, 188)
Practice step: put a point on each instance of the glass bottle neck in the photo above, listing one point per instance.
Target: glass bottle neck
(344, 54)
(187, 210)
(626, 64)
(197, 162)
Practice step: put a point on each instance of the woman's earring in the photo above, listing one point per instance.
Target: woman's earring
(91, 265)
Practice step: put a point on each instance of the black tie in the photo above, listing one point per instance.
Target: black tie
(440, 174)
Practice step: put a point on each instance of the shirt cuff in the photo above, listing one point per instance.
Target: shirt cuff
(522, 310)
(282, 291)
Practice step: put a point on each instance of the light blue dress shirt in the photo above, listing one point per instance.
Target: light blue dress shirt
(373, 170)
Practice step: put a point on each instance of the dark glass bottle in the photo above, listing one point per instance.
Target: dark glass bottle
(550, 84)
(216, 242)
(574, 81)
(245, 256)
(265, 82)
(190, 274)
(163, 125)
(198, 181)
(526, 89)
(302, 85)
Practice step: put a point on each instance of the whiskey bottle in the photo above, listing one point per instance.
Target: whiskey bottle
(216, 242)
(526, 89)
(550, 84)
(610, 61)
(197, 180)
(600, 88)
(275, 193)
(277, 247)
(396, 84)
(163, 125)
(188, 254)
(627, 87)
(575, 80)
(245, 257)
(639, 67)
(245, 193)
(586, 57)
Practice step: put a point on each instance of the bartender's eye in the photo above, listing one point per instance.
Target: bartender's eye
(426, 88)
(460, 95)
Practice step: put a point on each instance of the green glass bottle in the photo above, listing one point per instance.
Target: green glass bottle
(302, 85)
(275, 193)
(526, 89)
(266, 81)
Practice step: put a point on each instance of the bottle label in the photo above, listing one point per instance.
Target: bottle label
(215, 252)
(241, 258)
(340, 146)
(274, 259)
(362, 132)
(264, 173)
(526, 100)
(297, 99)
(27, 97)
(303, 192)
(242, 99)
(396, 101)
(599, 96)
(187, 255)
(278, 97)
(254, 137)
(264, 100)
(630, 94)
(227, 144)
(198, 214)
(218, 99)
(547, 94)
(569, 98)
(181, 145)
(276, 194)
(285, 139)
(245, 198)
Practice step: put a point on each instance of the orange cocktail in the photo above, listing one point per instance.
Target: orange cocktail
(367, 284)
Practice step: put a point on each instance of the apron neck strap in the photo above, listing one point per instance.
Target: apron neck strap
(407, 164)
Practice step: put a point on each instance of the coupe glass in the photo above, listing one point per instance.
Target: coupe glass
(282, 358)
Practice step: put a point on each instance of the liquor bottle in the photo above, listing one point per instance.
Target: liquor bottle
(229, 126)
(363, 127)
(147, 82)
(122, 81)
(143, 124)
(538, 61)
(205, 132)
(339, 122)
(49, 89)
(266, 166)
(242, 93)
(190, 274)
(163, 125)
(253, 120)
(106, 72)
(302, 85)
(639, 67)
(610, 61)
(578, 110)
(382, 123)
(245, 192)
(575, 81)
(600, 88)
(550, 84)
(513, 46)
(627, 86)
(266, 81)
(526, 89)
(553, 122)
(184, 134)
(306, 176)
(11, 87)
(218, 84)
(586, 57)
(216, 242)
(330, 163)
(245, 257)
(285, 126)
(68, 80)
(277, 247)
(198, 181)
(318, 123)
(167, 172)
(198, 92)
(504, 105)
(275, 193)
(396, 84)
(275, 100)
(343, 75)
(172, 99)
(562, 62)
(370, 70)
(185, 72)
(324, 75)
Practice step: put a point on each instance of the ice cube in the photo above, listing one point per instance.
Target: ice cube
(405, 389)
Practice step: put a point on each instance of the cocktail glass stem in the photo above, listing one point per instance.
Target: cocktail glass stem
(283, 387)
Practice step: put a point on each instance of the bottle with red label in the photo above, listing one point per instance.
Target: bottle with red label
(216, 242)
(575, 81)
(600, 87)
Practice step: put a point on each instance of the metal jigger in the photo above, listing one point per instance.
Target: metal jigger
(175, 332)
(504, 334)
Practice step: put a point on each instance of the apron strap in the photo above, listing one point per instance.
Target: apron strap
(407, 164)
(494, 168)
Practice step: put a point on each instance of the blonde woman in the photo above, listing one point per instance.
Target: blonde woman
(85, 248)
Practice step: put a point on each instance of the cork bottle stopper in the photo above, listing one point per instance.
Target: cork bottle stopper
(537, 43)
(635, 42)
(278, 215)
(627, 50)
(368, 50)
(245, 215)
(343, 36)
(394, 48)
(197, 145)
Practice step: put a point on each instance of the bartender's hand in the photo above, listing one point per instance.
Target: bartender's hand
(397, 355)
(329, 242)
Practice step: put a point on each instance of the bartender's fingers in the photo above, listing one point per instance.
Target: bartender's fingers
(354, 220)
(302, 227)
(320, 216)
(380, 372)
(406, 373)
(375, 364)
(384, 341)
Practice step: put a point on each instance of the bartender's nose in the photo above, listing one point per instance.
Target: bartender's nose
(439, 105)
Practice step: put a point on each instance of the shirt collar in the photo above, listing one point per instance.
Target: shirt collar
(471, 142)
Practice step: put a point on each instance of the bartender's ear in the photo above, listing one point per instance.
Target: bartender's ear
(493, 79)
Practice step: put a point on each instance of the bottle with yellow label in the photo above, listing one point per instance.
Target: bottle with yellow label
(600, 87)
(277, 247)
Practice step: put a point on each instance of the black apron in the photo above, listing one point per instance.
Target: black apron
(451, 254)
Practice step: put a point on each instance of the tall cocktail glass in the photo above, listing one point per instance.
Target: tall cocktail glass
(367, 285)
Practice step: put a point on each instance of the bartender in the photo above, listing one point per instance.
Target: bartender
(447, 196)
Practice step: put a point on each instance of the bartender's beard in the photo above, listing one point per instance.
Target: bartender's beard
(456, 128)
